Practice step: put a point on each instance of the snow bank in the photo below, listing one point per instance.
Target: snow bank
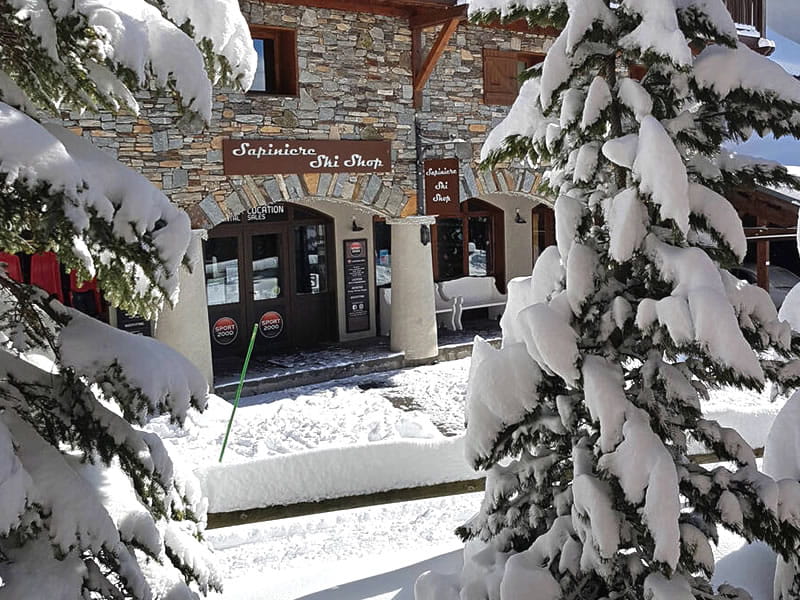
(334, 472)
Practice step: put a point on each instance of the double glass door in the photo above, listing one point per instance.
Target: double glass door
(275, 276)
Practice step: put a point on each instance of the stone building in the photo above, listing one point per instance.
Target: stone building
(299, 242)
(348, 170)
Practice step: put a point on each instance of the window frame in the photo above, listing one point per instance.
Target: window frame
(285, 60)
(495, 267)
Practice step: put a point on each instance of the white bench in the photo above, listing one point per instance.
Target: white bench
(448, 313)
(472, 293)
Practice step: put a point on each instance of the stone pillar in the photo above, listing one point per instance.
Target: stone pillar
(185, 327)
(413, 305)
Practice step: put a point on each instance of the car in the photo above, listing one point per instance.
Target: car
(781, 280)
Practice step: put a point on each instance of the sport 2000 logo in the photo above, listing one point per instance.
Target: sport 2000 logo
(224, 331)
(270, 324)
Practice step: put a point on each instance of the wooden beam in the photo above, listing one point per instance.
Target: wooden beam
(271, 513)
(762, 259)
(375, 7)
(757, 204)
(432, 18)
(768, 232)
(440, 43)
(522, 26)
(416, 62)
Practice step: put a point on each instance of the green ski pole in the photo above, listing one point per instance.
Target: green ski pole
(239, 389)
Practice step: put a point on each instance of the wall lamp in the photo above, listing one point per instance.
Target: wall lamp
(424, 235)
(518, 218)
(356, 226)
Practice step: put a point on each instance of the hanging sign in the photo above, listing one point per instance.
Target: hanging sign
(356, 285)
(441, 187)
(284, 157)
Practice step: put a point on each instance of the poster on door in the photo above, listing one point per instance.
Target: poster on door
(356, 285)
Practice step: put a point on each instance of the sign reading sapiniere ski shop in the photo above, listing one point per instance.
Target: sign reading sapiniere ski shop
(285, 157)
(441, 187)
(356, 285)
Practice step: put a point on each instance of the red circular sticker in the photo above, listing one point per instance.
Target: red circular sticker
(356, 248)
(270, 324)
(224, 331)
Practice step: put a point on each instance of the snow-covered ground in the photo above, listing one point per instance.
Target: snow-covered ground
(424, 402)
(377, 553)
(374, 553)
(420, 403)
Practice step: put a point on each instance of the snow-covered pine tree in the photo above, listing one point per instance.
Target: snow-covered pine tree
(89, 504)
(583, 419)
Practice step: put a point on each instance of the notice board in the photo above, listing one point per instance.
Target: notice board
(356, 285)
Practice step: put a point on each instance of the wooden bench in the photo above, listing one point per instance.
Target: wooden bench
(471, 293)
(448, 313)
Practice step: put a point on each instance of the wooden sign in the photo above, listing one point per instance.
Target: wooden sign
(285, 157)
(441, 187)
(356, 285)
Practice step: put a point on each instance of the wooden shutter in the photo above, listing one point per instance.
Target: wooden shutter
(500, 84)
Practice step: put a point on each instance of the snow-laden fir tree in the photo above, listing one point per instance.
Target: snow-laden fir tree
(583, 420)
(90, 506)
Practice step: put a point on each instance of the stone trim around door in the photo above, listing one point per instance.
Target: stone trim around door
(479, 183)
(367, 192)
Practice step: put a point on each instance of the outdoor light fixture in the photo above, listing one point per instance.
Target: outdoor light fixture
(356, 226)
(424, 235)
(518, 218)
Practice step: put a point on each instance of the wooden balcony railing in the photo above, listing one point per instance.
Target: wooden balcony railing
(749, 12)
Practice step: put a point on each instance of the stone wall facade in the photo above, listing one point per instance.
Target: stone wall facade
(355, 82)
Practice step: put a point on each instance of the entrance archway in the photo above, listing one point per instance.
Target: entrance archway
(273, 266)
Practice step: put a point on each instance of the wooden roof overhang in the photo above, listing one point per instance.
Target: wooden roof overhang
(421, 15)
(776, 220)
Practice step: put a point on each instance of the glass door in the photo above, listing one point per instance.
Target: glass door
(268, 289)
(224, 293)
(312, 287)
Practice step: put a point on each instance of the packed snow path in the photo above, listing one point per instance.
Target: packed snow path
(377, 553)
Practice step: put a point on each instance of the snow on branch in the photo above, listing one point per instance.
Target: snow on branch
(157, 374)
(52, 170)
(725, 70)
(120, 46)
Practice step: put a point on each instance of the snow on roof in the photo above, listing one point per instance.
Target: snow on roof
(791, 194)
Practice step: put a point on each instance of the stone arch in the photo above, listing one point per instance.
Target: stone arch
(509, 180)
(367, 193)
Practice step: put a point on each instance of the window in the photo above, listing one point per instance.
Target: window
(383, 252)
(311, 259)
(543, 229)
(450, 248)
(222, 270)
(276, 72)
(501, 71)
(470, 245)
(266, 267)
